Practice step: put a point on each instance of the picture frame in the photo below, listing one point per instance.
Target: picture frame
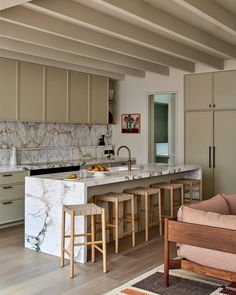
(130, 123)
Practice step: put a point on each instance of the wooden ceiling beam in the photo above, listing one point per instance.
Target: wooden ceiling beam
(32, 36)
(147, 13)
(22, 47)
(58, 64)
(41, 22)
(212, 12)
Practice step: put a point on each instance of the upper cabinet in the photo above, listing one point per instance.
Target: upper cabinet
(198, 91)
(98, 100)
(56, 95)
(31, 92)
(78, 97)
(8, 89)
(225, 89)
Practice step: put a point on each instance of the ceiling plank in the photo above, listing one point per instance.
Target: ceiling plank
(4, 4)
(58, 64)
(97, 20)
(29, 18)
(212, 12)
(40, 51)
(32, 36)
(147, 13)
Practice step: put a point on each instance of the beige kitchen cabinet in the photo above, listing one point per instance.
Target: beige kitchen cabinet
(199, 145)
(78, 97)
(8, 89)
(198, 91)
(225, 89)
(31, 92)
(98, 99)
(56, 95)
(12, 191)
(225, 152)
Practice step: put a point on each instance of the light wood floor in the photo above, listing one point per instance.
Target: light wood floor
(26, 272)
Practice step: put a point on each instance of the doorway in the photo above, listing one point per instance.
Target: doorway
(162, 130)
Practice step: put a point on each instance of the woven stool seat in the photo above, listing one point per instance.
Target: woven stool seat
(143, 190)
(84, 209)
(113, 197)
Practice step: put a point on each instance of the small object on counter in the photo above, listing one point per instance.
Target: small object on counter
(3, 146)
(101, 140)
(13, 158)
(96, 168)
(83, 173)
(72, 176)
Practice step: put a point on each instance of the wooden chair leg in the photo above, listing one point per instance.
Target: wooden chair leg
(72, 237)
(116, 227)
(146, 217)
(104, 249)
(160, 215)
(166, 256)
(93, 237)
(110, 205)
(171, 203)
(133, 221)
(63, 237)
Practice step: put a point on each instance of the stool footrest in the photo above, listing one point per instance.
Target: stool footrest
(88, 243)
(98, 248)
(79, 235)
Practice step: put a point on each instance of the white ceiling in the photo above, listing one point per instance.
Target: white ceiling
(121, 37)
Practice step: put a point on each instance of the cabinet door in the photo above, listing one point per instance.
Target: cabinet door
(225, 89)
(198, 91)
(8, 91)
(225, 152)
(198, 139)
(31, 105)
(79, 97)
(56, 95)
(99, 100)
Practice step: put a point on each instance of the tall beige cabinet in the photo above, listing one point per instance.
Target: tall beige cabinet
(210, 138)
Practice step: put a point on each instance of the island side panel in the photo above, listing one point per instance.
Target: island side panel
(43, 214)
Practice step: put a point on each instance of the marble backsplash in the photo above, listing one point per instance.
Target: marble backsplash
(44, 142)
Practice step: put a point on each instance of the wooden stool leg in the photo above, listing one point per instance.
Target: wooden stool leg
(124, 217)
(182, 195)
(200, 191)
(191, 193)
(139, 203)
(160, 216)
(133, 221)
(110, 205)
(104, 249)
(93, 237)
(146, 217)
(171, 203)
(63, 237)
(72, 233)
(116, 226)
(150, 212)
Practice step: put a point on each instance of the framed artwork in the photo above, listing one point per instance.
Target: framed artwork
(130, 123)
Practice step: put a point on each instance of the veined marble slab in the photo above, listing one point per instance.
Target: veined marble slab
(45, 195)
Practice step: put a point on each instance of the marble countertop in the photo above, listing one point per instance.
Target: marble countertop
(33, 166)
(120, 173)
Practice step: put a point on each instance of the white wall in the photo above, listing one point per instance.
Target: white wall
(131, 95)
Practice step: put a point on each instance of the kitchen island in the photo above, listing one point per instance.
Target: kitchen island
(45, 195)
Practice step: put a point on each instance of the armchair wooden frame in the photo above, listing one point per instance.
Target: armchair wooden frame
(198, 236)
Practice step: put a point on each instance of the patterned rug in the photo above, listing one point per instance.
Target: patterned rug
(181, 283)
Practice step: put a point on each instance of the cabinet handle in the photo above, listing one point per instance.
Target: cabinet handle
(209, 157)
(209, 105)
(7, 175)
(214, 105)
(7, 187)
(6, 203)
(214, 157)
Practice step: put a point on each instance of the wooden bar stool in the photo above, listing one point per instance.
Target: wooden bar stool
(114, 199)
(191, 183)
(170, 187)
(83, 210)
(148, 193)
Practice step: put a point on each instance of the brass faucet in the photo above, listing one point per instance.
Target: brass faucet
(129, 161)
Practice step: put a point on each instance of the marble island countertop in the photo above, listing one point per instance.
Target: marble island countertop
(121, 173)
(34, 166)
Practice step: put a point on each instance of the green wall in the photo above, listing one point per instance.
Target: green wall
(161, 122)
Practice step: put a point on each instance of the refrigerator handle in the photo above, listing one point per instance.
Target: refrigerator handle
(209, 157)
(214, 157)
